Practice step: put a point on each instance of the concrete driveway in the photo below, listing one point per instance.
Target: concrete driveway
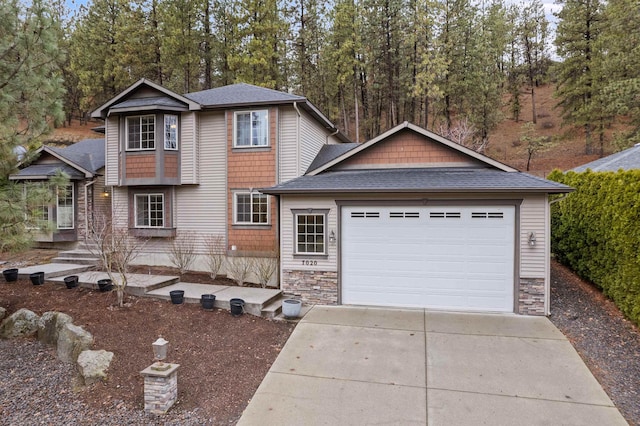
(348, 365)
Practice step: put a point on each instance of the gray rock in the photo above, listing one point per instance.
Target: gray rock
(93, 365)
(71, 341)
(21, 323)
(50, 325)
(3, 313)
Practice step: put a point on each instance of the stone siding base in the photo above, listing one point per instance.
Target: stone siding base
(531, 296)
(311, 286)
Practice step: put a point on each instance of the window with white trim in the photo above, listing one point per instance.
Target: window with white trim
(310, 233)
(251, 129)
(251, 208)
(141, 132)
(171, 132)
(65, 210)
(149, 210)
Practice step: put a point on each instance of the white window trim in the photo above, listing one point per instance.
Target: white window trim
(235, 129)
(73, 200)
(235, 208)
(297, 214)
(164, 132)
(135, 210)
(126, 132)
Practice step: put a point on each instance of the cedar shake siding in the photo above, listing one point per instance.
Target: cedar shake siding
(407, 149)
(140, 166)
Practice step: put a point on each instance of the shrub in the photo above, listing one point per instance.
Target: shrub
(182, 251)
(596, 232)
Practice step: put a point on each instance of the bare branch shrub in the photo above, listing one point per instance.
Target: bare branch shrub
(240, 267)
(464, 133)
(182, 251)
(116, 250)
(215, 254)
(266, 267)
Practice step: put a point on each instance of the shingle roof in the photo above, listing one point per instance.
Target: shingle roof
(160, 101)
(44, 171)
(88, 154)
(330, 152)
(241, 93)
(628, 159)
(417, 180)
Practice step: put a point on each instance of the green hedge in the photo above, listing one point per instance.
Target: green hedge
(596, 232)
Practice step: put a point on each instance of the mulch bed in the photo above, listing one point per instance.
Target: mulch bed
(223, 358)
(607, 342)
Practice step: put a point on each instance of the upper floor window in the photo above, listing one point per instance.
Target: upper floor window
(149, 211)
(251, 129)
(251, 208)
(141, 132)
(171, 132)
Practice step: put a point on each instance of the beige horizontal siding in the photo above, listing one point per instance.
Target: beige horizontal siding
(533, 218)
(287, 144)
(188, 148)
(112, 151)
(312, 137)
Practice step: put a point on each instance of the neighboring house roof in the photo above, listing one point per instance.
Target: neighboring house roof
(628, 159)
(81, 160)
(490, 162)
(235, 95)
(417, 180)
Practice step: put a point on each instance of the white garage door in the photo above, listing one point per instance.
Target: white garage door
(457, 258)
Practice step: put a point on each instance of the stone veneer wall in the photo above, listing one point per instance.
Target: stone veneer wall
(312, 286)
(81, 214)
(531, 296)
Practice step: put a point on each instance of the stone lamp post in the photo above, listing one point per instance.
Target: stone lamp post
(160, 381)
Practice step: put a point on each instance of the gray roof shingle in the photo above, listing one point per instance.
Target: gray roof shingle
(43, 171)
(160, 101)
(241, 94)
(330, 152)
(88, 154)
(628, 159)
(417, 180)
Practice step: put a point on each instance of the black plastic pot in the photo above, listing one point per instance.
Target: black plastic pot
(105, 285)
(37, 278)
(177, 296)
(71, 281)
(237, 307)
(207, 301)
(10, 274)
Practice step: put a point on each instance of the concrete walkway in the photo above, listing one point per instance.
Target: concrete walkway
(347, 365)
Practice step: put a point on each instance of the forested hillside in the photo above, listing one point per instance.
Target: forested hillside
(474, 71)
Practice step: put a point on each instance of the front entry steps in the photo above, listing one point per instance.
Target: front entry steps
(84, 254)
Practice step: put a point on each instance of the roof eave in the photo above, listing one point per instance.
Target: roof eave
(297, 191)
(87, 173)
(145, 108)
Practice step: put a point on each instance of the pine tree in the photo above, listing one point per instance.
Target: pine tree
(31, 93)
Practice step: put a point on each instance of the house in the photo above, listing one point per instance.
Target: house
(411, 219)
(190, 166)
(83, 162)
(628, 159)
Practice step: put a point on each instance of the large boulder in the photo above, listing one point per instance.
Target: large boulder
(72, 340)
(21, 323)
(50, 325)
(3, 313)
(93, 365)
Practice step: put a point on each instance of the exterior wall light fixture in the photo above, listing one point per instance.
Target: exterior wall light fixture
(532, 239)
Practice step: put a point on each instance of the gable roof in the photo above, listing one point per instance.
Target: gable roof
(103, 110)
(330, 152)
(81, 160)
(449, 180)
(490, 162)
(628, 159)
(235, 95)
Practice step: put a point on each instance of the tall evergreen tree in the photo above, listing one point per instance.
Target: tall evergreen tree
(533, 36)
(579, 86)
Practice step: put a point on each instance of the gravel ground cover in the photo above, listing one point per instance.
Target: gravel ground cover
(607, 342)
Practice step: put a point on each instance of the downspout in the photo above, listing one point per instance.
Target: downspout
(86, 208)
(295, 106)
(332, 134)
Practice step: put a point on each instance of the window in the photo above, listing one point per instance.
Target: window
(65, 207)
(251, 129)
(37, 207)
(251, 208)
(171, 132)
(141, 132)
(310, 230)
(149, 211)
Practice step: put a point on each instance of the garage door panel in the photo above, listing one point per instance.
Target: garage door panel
(436, 257)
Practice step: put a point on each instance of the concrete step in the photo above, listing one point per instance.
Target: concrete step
(78, 253)
(272, 310)
(92, 261)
